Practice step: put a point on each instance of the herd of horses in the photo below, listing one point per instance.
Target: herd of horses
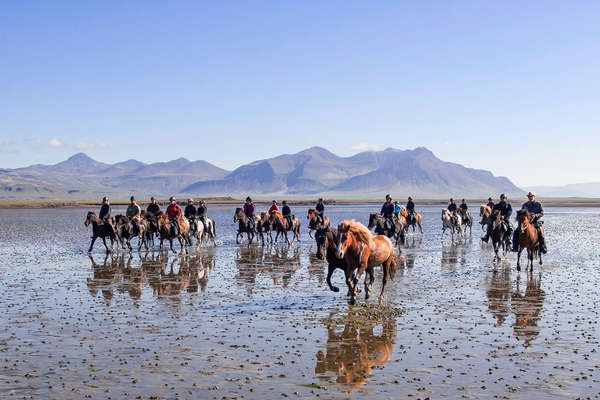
(350, 247)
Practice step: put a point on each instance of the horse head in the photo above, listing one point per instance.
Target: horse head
(373, 220)
(91, 217)
(310, 214)
(523, 219)
(238, 214)
(403, 212)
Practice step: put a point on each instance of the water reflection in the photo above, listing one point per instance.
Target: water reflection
(454, 254)
(526, 306)
(279, 261)
(354, 348)
(126, 273)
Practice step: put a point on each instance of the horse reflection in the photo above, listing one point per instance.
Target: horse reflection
(452, 255)
(105, 276)
(279, 261)
(352, 353)
(527, 308)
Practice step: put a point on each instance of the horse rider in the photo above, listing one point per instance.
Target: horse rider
(249, 212)
(535, 208)
(453, 208)
(387, 211)
(287, 213)
(174, 214)
(320, 208)
(397, 209)
(410, 208)
(274, 207)
(201, 213)
(105, 214)
(190, 213)
(506, 211)
(464, 207)
(153, 207)
(133, 212)
(490, 203)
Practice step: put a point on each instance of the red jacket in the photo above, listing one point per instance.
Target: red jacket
(273, 208)
(174, 211)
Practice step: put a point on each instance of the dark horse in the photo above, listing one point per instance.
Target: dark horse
(528, 239)
(313, 219)
(378, 222)
(243, 225)
(124, 229)
(151, 226)
(499, 235)
(327, 242)
(99, 229)
(467, 220)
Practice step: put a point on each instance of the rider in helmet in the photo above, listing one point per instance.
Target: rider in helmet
(201, 213)
(537, 211)
(410, 209)
(133, 213)
(287, 213)
(320, 208)
(490, 203)
(249, 212)
(274, 207)
(153, 207)
(105, 215)
(387, 211)
(190, 213)
(506, 211)
(174, 214)
(453, 208)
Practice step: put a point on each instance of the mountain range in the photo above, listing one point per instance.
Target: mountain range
(309, 173)
(589, 189)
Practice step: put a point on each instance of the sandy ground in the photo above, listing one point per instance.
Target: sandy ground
(259, 322)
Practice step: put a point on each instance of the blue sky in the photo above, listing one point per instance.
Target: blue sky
(512, 87)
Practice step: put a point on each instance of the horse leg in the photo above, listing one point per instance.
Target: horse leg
(237, 238)
(350, 284)
(540, 256)
(286, 238)
(92, 244)
(181, 243)
(171, 246)
(420, 227)
(369, 279)
(519, 259)
(330, 270)
(386, 269)
(530, 254)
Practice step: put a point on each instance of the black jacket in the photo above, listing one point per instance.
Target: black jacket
(504, 208)
(534, 207)
(452, 207)
(464, 206)
(104, 211)
(201, 211)
(285, 211)
(387, 209)
(153, 208)
(490, 204)
(410, 206)
(190, 211)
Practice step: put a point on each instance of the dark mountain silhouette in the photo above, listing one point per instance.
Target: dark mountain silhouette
(314, 171)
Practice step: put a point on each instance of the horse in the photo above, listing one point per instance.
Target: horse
(313, 218)
(196, 230)
(100, 229)
(528, 238)
(142, 225)
(377, 221)
(208, 231)
(151, 226)
(484, 212)
(327, 242)
(124, 230)
(282, 225)
(449, 222)
(410, 221)
(466, 220)
(265, 227)
(362, 252)
(243, 225)
(165, 231)
(499, 235)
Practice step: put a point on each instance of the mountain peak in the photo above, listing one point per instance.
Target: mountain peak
(80, 157)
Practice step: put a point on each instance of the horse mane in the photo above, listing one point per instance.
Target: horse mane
(361, 232)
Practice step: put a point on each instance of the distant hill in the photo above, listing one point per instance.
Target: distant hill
(590, 190)
(314, 171)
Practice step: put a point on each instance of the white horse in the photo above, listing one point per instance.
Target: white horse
(448, 222)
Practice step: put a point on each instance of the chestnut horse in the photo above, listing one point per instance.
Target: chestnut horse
(312, 218)
(499, 235)
(362, 252)
(484, 212)
(528, 239)
(165, 232)
(100, 229)
(265, 227)
(410, 221)
(282, 225)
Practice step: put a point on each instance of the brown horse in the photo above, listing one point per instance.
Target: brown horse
(265, 227)
(244, 225)
(282, 225)
(124, 230)
(166, 233)
(378, 222)
(313, 218)
(485, 213)
(528, 239)
(410, 221)
(362, 252)
(100, 229)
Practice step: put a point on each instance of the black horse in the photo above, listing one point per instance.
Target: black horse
(125, 231)
(382, 227)
(327, 242)
(100, 229)
(244, 225)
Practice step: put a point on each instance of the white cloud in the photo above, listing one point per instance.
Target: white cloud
(55, 143)
(366, 147)
(84, 146)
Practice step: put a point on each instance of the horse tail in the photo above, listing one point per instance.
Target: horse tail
(393, 265)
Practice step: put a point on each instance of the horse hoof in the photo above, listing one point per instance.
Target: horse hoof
(335, 289)
(518, 268)
(352, 300)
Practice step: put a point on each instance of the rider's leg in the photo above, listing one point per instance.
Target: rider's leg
(542, 239)
(515, 241)
(509, 232)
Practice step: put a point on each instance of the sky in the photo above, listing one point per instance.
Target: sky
(512, 87)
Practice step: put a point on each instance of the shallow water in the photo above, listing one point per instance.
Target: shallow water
(259, 322)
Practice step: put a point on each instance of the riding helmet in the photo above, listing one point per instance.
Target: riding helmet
(171, 198)
(132, 198)
(248, 198)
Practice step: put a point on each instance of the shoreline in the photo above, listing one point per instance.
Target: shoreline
(548, 202)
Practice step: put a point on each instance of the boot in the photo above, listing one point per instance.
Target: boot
(515, 241)
(543, 248)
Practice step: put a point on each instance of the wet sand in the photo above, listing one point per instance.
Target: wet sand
(259, 322)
